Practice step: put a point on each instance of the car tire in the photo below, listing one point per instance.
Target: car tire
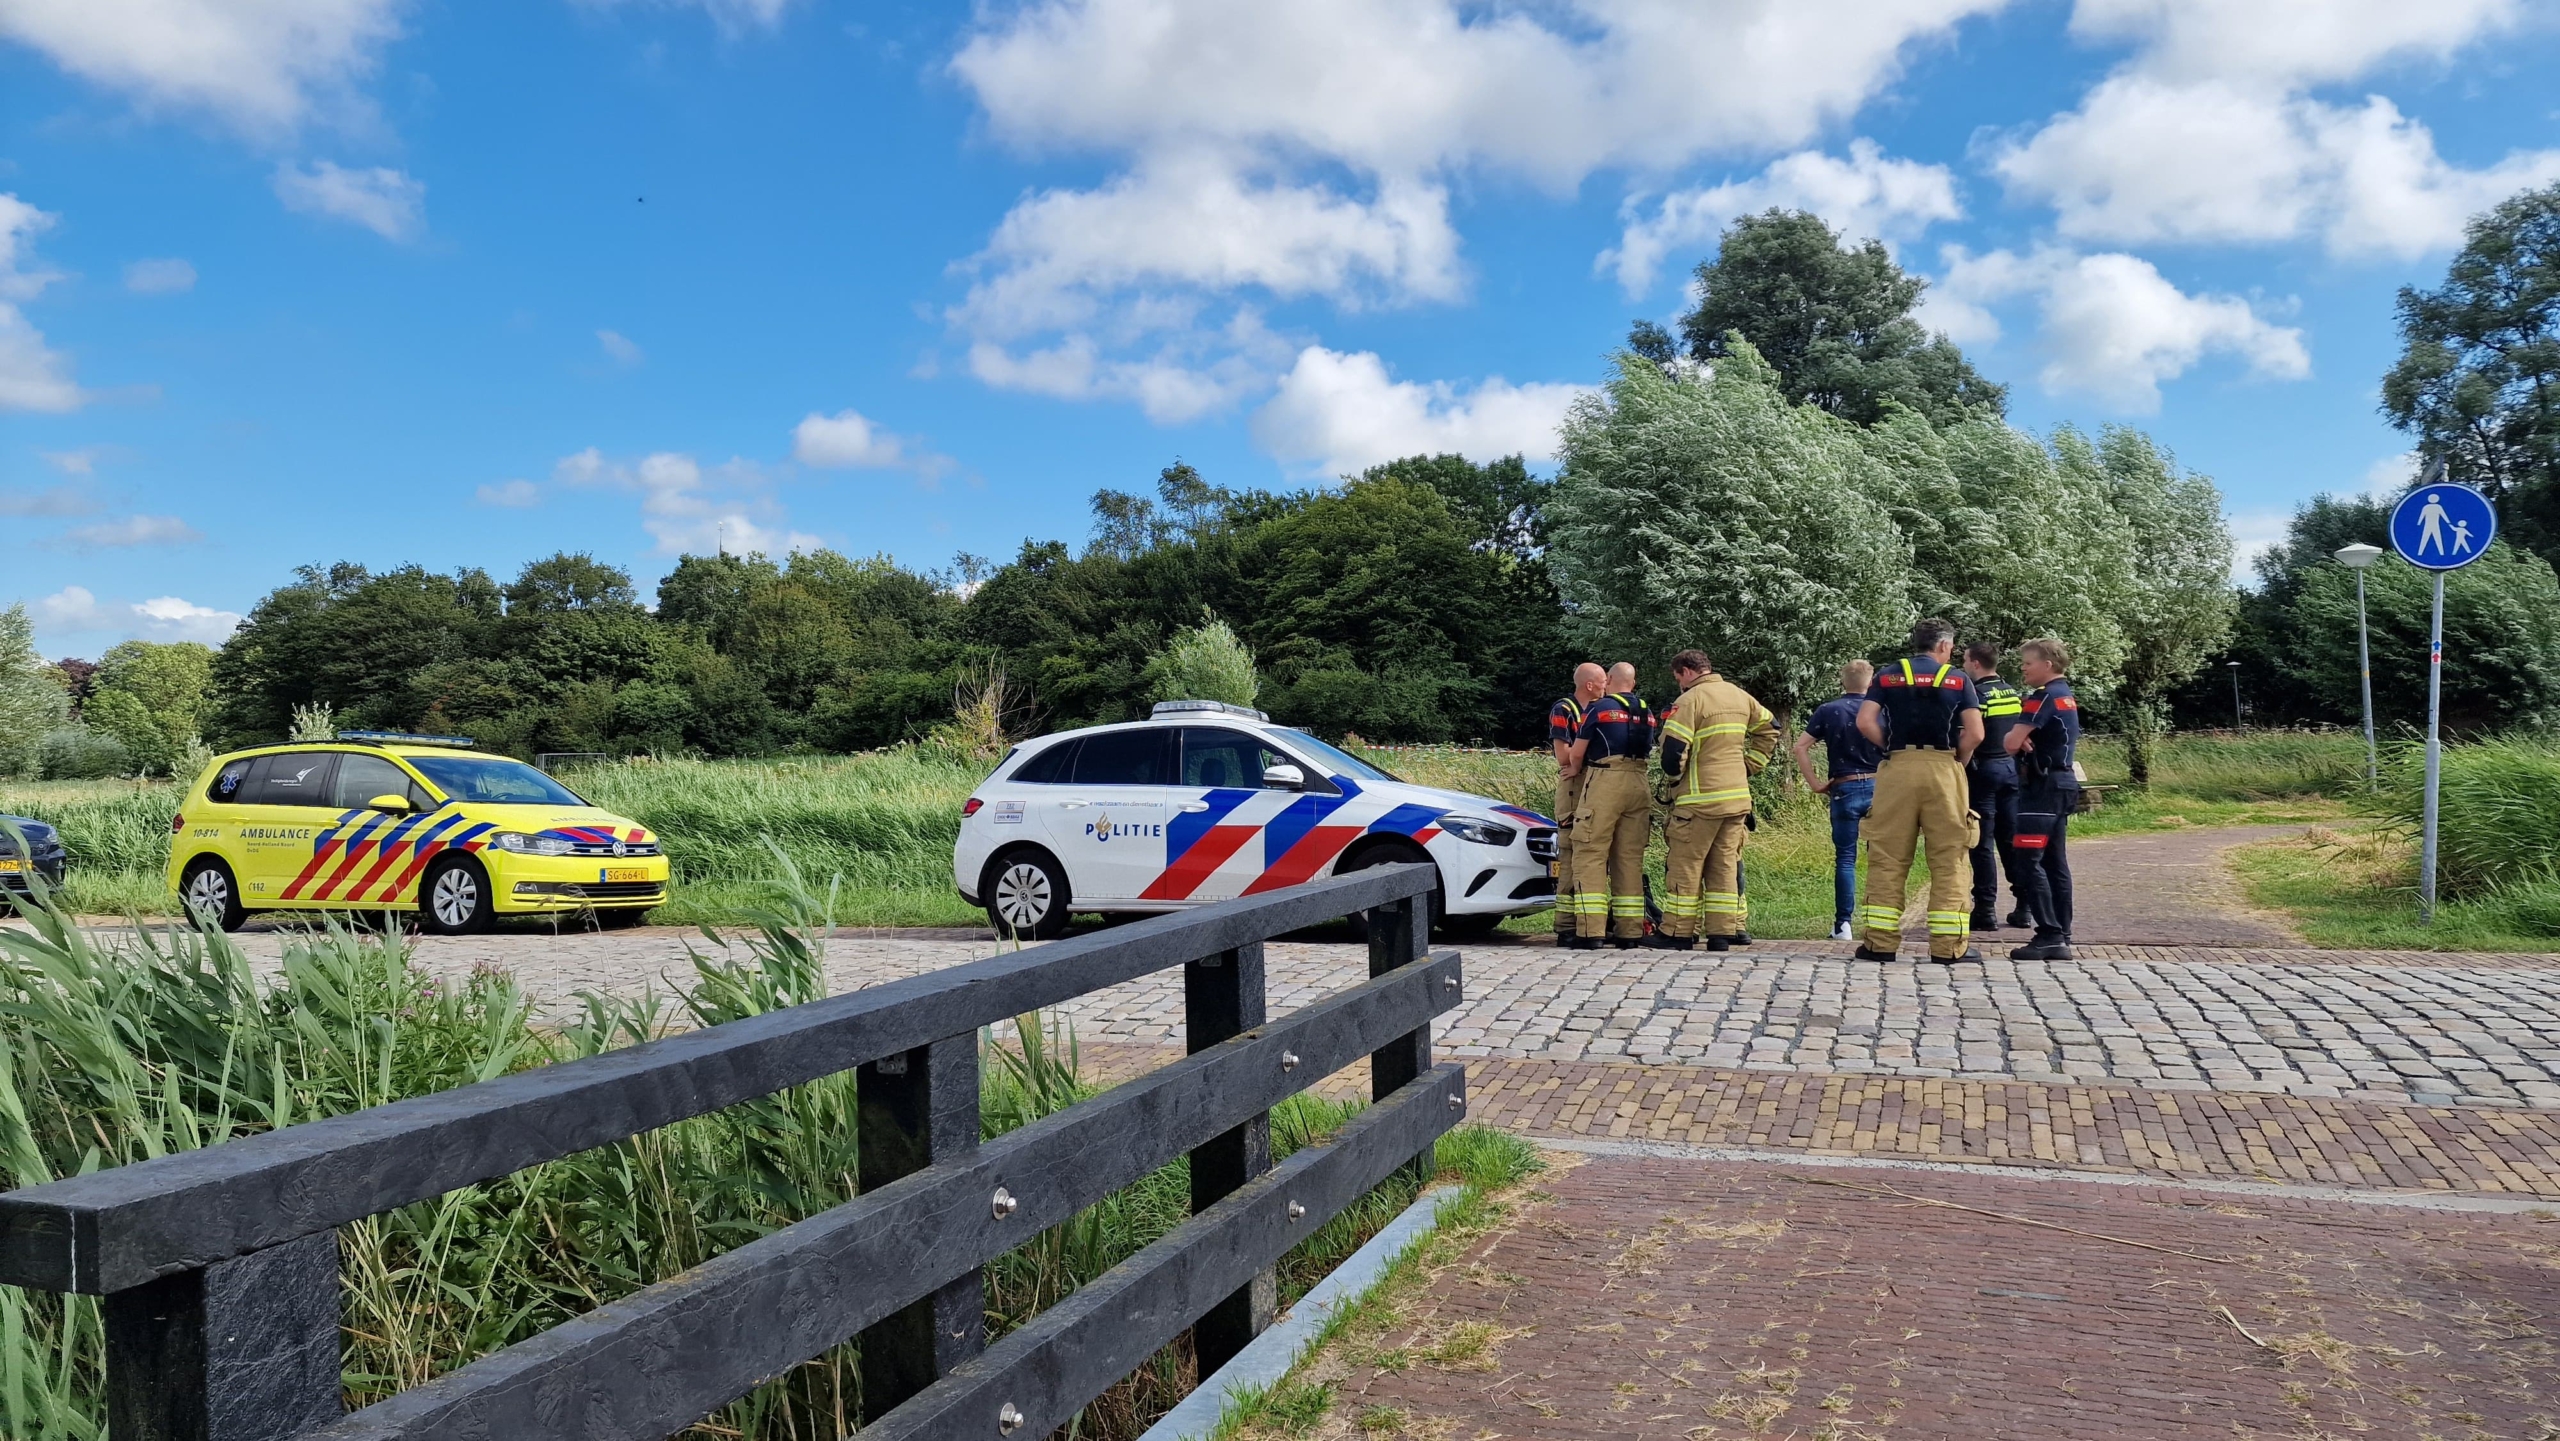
(454, 898)
(1388, 853)
(210, 894)
(1026, 895)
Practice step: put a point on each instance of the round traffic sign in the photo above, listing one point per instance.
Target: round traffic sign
(2442, 527)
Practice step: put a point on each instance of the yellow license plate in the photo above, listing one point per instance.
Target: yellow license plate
(12, 863)
(627, 873)
(1555, 869)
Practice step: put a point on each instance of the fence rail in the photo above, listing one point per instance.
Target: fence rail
(219, 1267)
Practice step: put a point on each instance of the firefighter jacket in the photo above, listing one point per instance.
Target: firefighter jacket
(1713, 742)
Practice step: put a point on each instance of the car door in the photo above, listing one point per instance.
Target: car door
(380, 852)
(1109, 822)
(1210, 854)
(285, 823)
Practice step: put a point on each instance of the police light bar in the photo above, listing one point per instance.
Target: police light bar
(1198, 707)
(403, 738)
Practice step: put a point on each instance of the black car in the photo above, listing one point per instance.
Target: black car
(42, 853)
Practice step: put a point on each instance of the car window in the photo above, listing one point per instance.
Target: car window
(1052, 767)
(1214, 757)
(494, 780)
(226, 786)
(297, 778)
(1343, 762)
(1143, 757)
(361, 778)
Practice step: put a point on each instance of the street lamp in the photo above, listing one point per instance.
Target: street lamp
(2235, 695)
(2355, 558)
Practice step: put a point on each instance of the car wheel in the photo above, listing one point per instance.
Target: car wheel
(211, 895)
(1389, 854)
(454, 899)
(1027, 896)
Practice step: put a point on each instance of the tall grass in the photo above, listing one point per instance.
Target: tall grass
(2498, 825)
(2260, 766)
(114, 1051)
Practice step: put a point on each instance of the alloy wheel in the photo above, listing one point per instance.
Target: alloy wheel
(1023, 897)
(456, 897)
(209, 894)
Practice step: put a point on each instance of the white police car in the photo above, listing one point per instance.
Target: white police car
(1206, 802)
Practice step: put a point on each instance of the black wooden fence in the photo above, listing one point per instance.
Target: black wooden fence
(219, 1267)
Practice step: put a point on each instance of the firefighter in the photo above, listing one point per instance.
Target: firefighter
(1928, 717)
(2048, 793)
(1613, 821)
(1992, 781)
(1564, 723)
(1714, 741)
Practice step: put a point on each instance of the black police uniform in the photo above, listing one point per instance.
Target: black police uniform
(1992, 781)
(2048, 794)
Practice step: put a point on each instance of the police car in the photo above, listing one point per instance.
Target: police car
(384, 821)
(1206, 802)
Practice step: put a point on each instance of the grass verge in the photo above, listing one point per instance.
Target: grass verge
(2357, 889)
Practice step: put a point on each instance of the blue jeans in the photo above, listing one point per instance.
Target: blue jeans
(1850, 802)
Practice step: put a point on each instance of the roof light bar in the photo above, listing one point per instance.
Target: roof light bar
(1209, 707)
(403, 738)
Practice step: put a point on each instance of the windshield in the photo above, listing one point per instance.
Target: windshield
(1343, 761)
(493, 781)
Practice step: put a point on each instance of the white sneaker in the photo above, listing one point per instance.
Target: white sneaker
(1840, 932)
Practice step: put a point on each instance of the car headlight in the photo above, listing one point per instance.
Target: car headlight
(525, 845)
(1483, 833)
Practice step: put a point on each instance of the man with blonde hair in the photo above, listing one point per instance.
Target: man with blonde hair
(2048, 792)
(1850, 787)
(1715, 739)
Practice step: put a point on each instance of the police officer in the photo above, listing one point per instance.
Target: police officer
(1564, 723)
(2048, 793)
(1715, 739)
(1614, 820)
(1928, 717)
(1993, 781)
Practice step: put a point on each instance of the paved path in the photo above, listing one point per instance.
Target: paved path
(2170, 888)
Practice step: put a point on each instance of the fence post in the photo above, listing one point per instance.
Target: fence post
(242, 1350)
(1399, 935)
(916, 1109)
(1223, 997)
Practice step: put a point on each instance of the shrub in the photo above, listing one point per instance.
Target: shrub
(77, 753)
(1206, 662)
(2498, 821)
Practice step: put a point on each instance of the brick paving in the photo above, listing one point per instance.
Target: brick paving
(2169, 888)
(1664, 1299)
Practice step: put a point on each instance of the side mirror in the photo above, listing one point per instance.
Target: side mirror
(391, 805)
(1283, 778)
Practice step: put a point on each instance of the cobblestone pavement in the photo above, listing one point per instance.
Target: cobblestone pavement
(1667, 1299)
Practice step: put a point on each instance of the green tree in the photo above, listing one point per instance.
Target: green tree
(2270, 635)
(1834, 322)
(1206, 662)
(1708, 511)
(2176, 613)
(2478, 379)
(31, 703)
(152, 697)
(2501, 639)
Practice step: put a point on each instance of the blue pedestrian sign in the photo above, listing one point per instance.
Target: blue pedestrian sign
(2443, 526)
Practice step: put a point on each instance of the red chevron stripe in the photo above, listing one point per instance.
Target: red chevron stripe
(319, 857)
(354, 858)
(1206, 854)
(423, 852)
(1314, 851)
(390, 853)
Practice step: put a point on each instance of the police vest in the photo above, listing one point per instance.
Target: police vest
(1924, 703)
(2002, 707)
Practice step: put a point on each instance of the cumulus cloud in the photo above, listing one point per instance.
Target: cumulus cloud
(126, 531)
(2111, 325)
(33, 376)
(159, 277)
(162, 618)
(83, 461)
(261, 66)
(2208, 133)
(732, 16)
(619, 348)
(2253, 534)
(387, 202)
(55, 500)
(1281, 152)
(1866, 195)
(844, 441)
(2390, 477)
(509, 494)
(690, 510)
(1336, 414)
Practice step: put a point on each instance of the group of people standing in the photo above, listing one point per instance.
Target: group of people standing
(1920, 753)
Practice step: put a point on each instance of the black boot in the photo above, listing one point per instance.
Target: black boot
(1627, 943)
(2043, 948)
(2020, 919)
(1583, 943)
(1971, 953)
(1719, 943)
(1738, 938)
(1982, 922)
(1863, 954)
(1660, 942)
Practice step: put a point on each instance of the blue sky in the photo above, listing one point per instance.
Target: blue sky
(294, 281)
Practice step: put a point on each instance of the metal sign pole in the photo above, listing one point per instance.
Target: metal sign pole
(2364, 666)
(2435, 759)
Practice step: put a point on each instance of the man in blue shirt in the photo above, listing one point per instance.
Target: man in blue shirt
(1851, 785)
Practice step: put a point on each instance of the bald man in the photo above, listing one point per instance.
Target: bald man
(1564, 722)
(1615, 819)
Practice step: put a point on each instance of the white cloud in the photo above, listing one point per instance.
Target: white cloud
(2208, 133)
(51, 501)
(2390, 477)
(689, 510)
(2253, 534)
(33, 376)
(130, 530)
(619, 348)
(1278, 152)
(262, 66)
(1335, 414)
(83, 461)
(1866, 195)
(163, 618)
(844, 441)
(159, 277)
(732, 16)
(509, 495)
(2112, 325)
(387, 202)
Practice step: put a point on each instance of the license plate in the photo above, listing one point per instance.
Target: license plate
(626, 873)
(1555, 869)
(12, 864)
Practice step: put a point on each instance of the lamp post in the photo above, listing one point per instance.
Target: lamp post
(2355, 558)
(2235, 695)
